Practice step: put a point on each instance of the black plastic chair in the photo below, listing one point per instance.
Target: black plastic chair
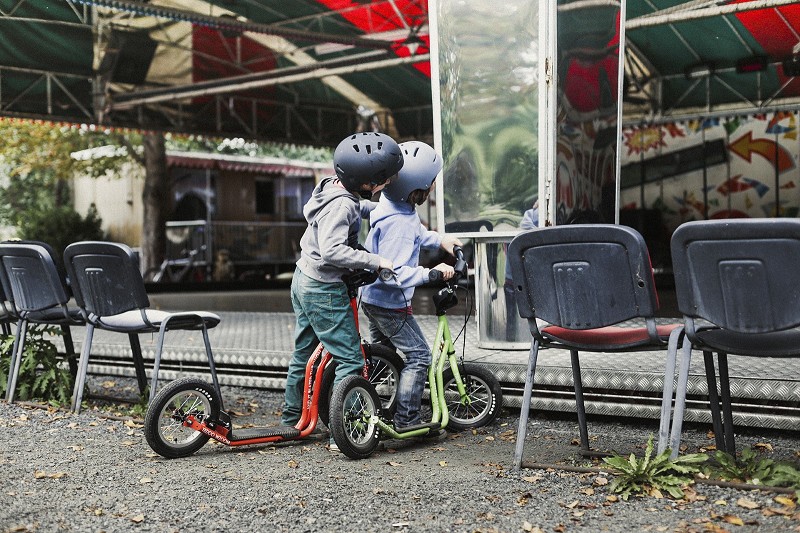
(738, 288)
(592, 286)
(108, 287)
(7, 313)
(37, 291)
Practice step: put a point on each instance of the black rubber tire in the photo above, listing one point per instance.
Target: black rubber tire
(354, 402)
(483, 390)
(384, 374)
(162, 424)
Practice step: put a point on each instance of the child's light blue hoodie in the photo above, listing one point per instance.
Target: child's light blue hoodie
(397, 234)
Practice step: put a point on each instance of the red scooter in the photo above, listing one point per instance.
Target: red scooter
(189, 411)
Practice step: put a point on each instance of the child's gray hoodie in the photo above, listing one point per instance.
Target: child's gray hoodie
(328, 246)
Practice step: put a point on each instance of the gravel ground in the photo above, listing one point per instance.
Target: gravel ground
(91, 473)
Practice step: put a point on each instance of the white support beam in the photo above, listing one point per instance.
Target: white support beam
(658, 19)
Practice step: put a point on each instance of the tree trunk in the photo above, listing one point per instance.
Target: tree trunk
(155, 201)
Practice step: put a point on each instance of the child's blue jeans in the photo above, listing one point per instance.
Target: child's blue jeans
(401, 330)
(324, 315)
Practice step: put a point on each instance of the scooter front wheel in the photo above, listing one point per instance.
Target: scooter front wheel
(384, 374)
(483, 401)
(163, 423)
(353, 406)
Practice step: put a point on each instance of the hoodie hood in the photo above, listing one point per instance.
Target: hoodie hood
(388, 208)
(326, 191)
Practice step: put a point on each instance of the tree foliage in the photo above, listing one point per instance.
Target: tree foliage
(36, 162)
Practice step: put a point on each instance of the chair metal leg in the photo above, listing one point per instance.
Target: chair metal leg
(526, 405)
(157, 361)
(579, 403)
(83, 366)
(727, 415)
(666, 394)
(211, 365)
(138, 361)
(16, 359)
(713, 400)
(69, 348)
(680, 399)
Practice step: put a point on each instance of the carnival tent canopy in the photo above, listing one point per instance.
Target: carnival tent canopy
(311, 71)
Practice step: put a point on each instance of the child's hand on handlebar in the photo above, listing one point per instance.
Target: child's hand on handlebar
(448, 242)
(447, 271)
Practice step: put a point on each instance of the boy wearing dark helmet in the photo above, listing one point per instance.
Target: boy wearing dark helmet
(364, 163)
(397, 233)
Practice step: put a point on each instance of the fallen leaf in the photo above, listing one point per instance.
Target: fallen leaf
(75, 448)
(292, 463)
(132, 424)
(394, 463)
(41, 474)
(108, 384)
(611, 498)
(763, 446)
(442, 463)
(600, 481)
(532, 479)
(138, 519)
(572, 505)
(731, 519)
(145, 480)
(747, 504)
(587, 491)
(720, 502)
(127, 443)
(783, 500)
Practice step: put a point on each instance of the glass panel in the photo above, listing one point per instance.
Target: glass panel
(488, 61)
(587, 87)
(499, 323)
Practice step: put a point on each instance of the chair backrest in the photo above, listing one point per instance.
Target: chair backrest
(30, 277)
(742, 275)
(105, 277)
(582, 276)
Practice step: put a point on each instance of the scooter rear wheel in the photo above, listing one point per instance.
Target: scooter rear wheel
(385, 366)
(353, 405)
(163, 423)
(484, 394)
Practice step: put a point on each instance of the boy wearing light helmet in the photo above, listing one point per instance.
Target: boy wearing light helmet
(397, 234)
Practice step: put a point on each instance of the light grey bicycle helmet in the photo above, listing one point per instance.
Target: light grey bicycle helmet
(366, 158)
(420, 167)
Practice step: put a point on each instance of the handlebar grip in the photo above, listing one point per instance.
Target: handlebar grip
(435, 275)
(386, 274)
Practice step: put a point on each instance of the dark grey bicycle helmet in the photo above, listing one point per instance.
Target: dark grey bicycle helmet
(420, 167)
(366, 158)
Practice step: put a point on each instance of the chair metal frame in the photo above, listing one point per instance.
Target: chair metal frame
(591, 286)
(38, 293)
(109, 289)
(738, 288)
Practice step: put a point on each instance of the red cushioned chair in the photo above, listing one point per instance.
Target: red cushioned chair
(585, 287)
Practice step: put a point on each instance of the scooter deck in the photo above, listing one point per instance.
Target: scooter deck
(427, 425)
(285, 432)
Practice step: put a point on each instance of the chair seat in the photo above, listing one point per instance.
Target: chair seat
(610, 338)
(55, 315)
(773, 344)
(132, 321)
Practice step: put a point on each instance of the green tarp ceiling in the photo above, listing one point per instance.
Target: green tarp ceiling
(311, 71)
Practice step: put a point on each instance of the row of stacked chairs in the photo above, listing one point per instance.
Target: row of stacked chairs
(98, 286)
